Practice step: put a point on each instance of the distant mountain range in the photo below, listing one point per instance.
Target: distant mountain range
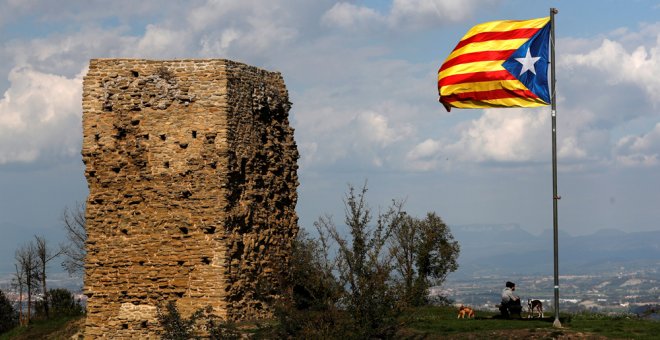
(502, 249)
(507, 249)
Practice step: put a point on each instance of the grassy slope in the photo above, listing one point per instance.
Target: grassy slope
(441, 323)
(58, 328)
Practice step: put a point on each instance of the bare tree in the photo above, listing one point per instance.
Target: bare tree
(19, 282)
(44, 255)
(76, 232)
(28, 263)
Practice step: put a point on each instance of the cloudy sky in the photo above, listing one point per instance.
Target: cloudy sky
(362, 78)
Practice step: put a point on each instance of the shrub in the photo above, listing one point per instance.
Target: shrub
(176, 327)
(63, 303)
(363, 267)
(8, 316)
(359, 292)
(349, 295)
(310, 310)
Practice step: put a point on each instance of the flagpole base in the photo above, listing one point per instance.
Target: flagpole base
(556, 324)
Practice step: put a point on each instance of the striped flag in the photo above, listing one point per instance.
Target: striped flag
(498, 64)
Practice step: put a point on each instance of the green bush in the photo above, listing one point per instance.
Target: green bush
(309, 310)
(8, 315)
(176, 327)
(63, 303)
(350, 295)
(363, 266)
(219, 329)
(382, 262)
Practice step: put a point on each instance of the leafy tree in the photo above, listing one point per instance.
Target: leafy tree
(8, 317)
(424, 252)
(359, 291)
(363, 265)
(63, 303)
(75, 226)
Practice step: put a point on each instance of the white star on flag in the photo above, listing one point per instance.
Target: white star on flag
(528, 63)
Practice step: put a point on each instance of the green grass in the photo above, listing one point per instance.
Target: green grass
(442, 322)
(436, 323)
(619, 326)
(56, 328)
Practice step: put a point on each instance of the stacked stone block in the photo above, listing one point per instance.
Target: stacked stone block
(191, 168)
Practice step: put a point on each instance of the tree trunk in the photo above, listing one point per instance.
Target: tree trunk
(43, 284)
(19, 285)
(29, 292)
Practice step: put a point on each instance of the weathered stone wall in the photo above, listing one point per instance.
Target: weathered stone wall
(191, 167)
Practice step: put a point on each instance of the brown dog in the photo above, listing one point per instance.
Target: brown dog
(463, 311)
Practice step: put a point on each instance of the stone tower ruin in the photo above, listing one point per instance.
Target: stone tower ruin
(191, 168)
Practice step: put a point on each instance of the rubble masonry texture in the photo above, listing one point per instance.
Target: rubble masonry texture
(191, 168)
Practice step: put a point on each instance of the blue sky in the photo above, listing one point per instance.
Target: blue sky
(362, 79)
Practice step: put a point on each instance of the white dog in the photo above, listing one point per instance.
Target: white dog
(535, 306)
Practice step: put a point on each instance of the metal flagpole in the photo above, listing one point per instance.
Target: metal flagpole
(555, 197)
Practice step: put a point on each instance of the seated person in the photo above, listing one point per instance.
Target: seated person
(510, 304)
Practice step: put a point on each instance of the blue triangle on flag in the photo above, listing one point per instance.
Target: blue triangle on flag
(538, 46)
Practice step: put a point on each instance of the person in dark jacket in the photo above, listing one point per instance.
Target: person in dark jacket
(510, 302)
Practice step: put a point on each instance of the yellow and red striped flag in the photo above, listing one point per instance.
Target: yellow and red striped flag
(498, 64)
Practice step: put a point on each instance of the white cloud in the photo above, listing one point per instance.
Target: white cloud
(248, 29)
(425, 156)
(639, 66)
(67, 54)
(40, 117)
(403, 14)
(503, 135)
(334, 135)
(347, 15)
(376, 128)
(161, 42)
(64, 14)
(430, 13)
(511, 136)
(354, 100)
(642, 150)
(606, 85)
(209, 13)
(212, 45)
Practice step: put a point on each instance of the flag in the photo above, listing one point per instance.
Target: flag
(498, 64)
